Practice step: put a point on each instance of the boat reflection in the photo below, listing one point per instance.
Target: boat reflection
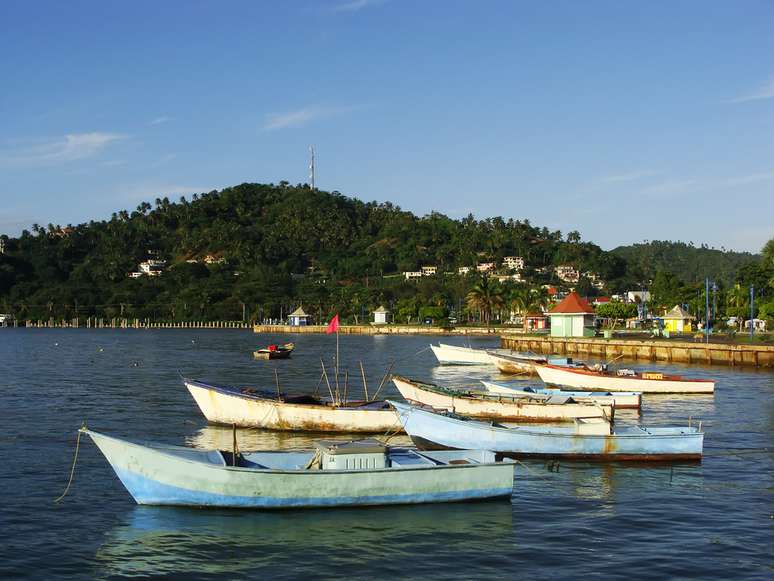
(213, 437)
(159, 541)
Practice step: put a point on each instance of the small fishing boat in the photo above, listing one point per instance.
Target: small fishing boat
(252, 408)
(454, 355)
(588, 439)
(274, 351)
(600, 378)
(357, 473)
(480, 404)
(619, 399)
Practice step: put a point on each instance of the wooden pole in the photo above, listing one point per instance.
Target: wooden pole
(328, 383)
(386, 375)
(233, 445)
(276, 379)
(346, 384)
(365, 383)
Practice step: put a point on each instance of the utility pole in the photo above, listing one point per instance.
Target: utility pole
(311, 166)
(706, 310)
(752, 310)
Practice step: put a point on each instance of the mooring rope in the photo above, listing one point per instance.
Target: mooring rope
(72, 469)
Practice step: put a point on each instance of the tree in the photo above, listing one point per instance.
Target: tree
(485, 296)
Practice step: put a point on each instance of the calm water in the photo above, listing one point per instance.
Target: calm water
(713, 519)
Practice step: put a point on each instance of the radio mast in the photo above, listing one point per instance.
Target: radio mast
(311, 166)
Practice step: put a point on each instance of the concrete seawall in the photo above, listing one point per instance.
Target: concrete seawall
(666, 351)
(377, 330)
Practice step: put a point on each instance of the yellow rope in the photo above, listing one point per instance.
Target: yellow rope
(72, 470)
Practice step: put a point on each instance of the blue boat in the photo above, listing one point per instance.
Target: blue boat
(588, 439)
(357, 473)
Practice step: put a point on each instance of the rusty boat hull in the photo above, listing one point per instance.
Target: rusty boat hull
(252, 409)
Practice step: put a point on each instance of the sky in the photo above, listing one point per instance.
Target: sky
(626, 121)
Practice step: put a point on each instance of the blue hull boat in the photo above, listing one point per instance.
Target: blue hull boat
(359, 473)
(589, 439)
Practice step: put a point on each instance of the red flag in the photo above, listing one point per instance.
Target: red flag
(333, 326)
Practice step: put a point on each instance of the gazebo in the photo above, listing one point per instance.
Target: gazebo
(381, 316)
(298, 318)
(678, 320)
(573, 317)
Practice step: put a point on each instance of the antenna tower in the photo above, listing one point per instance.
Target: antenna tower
(311, 165)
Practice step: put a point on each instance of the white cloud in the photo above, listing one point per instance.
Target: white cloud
(628, 177)
(764, 92)
(301, 117)
(355, 5)
(71, 147)
(160, 120)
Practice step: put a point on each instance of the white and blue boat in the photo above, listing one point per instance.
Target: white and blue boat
(588, 439)
(619, 399)
(357, 473)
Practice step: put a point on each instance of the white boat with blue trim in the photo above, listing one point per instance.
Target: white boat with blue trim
(588, 439)
(358, 473)
(619, 399)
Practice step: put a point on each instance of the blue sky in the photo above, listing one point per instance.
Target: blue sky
(624, 120)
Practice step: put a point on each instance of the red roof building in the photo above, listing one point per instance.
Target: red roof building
(573, 317)
(573, 304)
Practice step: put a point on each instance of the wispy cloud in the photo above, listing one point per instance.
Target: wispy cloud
(301, 117)
(160, 120)
(628, 177)
(764, 92)
(672, 187)
(71, 147)
(355, 5)
(750, 179)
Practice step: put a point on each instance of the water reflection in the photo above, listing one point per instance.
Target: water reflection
(221, 438)
(157, 541)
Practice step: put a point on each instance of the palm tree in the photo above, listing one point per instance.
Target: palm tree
(518, 299)
(486, 296)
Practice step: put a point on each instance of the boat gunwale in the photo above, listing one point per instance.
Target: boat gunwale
(159, 449)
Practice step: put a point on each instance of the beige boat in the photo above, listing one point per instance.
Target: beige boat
(477, 404)
(516, 365)
(250, 408)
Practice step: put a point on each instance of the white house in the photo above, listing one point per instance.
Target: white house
(381, 316)
(485, 267)
(567, 273)
(298, 318)
(513, 262)
(429, 270)
(463, 270)
(152, 267)
(412, 274)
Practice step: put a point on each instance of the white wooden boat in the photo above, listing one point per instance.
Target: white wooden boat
(619, 399)
(454, 355)
(479, 404)
(600, 379)
(588, 439)
(335, 474)
(249, 408)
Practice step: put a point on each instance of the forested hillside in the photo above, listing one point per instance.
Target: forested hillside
(689, 263)
(261, 250)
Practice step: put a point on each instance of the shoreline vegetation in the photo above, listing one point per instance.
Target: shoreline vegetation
(257, 252)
